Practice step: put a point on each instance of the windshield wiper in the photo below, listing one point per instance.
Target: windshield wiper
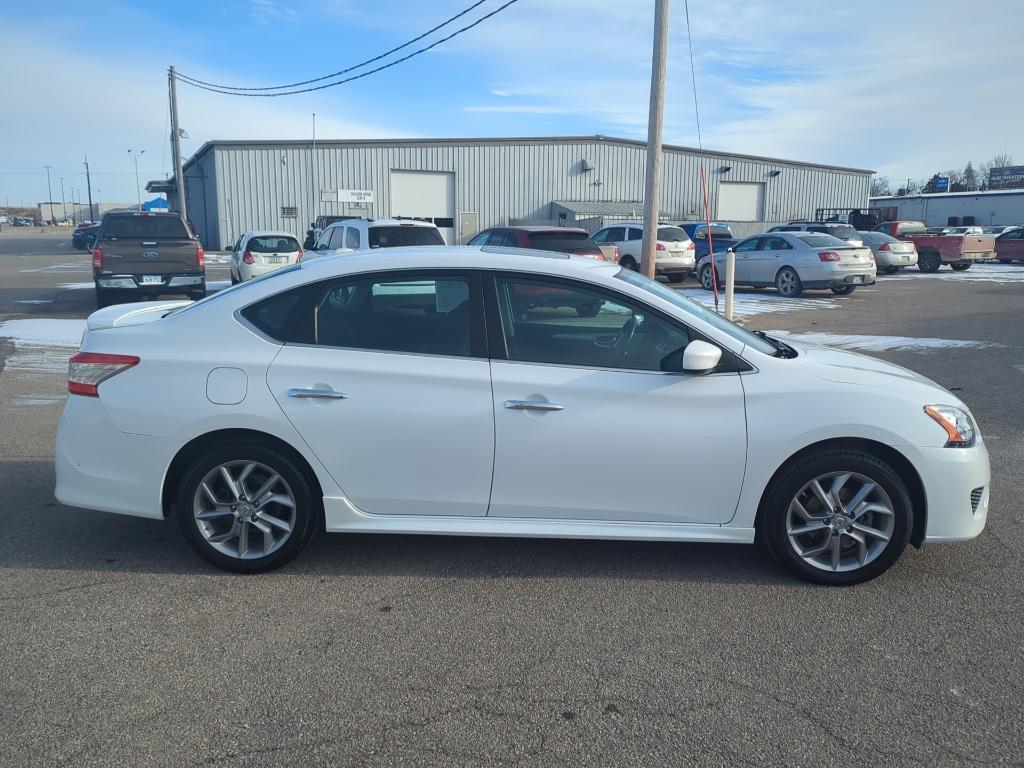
(781, 348)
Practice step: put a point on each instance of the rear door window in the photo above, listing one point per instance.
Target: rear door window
(635, 234)
(145, 228)
(351, 238)
(616, 234)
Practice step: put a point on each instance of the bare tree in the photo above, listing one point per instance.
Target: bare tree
(880, 186)
(998, 161)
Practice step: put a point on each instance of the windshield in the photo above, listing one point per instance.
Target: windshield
(394, 236)
(697, 310)
(672, 235)
(237, 287)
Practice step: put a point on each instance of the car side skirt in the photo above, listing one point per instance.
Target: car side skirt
(342, 516)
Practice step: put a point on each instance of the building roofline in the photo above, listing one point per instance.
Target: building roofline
(929, 196)
(501, 141)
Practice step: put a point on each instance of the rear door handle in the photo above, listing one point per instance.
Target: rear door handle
(316, 394)
(533, 405)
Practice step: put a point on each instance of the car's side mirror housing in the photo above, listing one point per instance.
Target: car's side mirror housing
(700, 357)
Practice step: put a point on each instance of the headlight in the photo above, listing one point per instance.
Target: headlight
(957, 423)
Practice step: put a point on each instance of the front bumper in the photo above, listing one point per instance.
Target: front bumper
(950, 476)
(167, 284)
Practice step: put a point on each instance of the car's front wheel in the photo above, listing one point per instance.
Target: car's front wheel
(961, 267)
(929, 261)
(246, 507)
(838, 517)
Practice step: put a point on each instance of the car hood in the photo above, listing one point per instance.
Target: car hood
(845, 367)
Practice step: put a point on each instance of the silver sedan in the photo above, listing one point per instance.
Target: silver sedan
(795, 261)
(891, 255)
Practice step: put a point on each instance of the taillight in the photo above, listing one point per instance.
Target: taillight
(690, 245)
(659, 247)
(200, 257)
(828, 256)
(97, 257)
(299, 257)
(87, 370)
(885, 247)
(617, 253)
(247, 258)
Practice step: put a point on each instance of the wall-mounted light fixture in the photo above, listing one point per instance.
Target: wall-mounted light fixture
(773, 174)
(585, 167)
(725, 169)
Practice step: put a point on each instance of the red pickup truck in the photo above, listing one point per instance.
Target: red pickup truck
(959, 251)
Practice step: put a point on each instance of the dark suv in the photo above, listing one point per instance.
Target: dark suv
(146, 254)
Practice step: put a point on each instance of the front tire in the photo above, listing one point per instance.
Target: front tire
(627, 262)
(676, 277)
(787, 283)
(246, 507)
(961, 267)
(843, 290)
(838, 516)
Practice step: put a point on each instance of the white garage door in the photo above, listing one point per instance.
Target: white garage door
(740, 201)
(425, 195)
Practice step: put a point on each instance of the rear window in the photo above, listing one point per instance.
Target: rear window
(718, 232)
(880, 237)
(842, 231)
(265, 244)
(672, 235)
(145, 228)
(392, 237)
(822, 241)
(563, 242)
(911, 228)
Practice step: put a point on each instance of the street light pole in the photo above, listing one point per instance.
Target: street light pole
(138, 193)
(49, 192)
(655, 118)
(63, 205)
(88, 184)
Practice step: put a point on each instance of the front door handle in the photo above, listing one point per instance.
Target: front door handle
(316, 394)
(533, 405)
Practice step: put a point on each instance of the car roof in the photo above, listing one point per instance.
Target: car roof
(269, 233)
(384, 223)
(539, 228)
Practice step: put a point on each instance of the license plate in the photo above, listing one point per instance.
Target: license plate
(277, 259)
(857, 279)
(151, 280)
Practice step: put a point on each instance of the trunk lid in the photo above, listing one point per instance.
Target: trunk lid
(122, 315)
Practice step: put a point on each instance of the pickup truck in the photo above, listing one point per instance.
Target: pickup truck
(721, 237)
(959, 251)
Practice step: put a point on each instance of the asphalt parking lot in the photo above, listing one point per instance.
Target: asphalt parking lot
(118, 646)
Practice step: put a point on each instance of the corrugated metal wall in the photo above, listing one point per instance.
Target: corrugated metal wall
(935, 210)
(249, 185)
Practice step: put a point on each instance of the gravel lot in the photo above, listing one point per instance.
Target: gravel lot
(119, 647)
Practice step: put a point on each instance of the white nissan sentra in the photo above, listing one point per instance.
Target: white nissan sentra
(457, 391)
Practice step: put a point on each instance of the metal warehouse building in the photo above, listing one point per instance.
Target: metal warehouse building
(954, 209)
(465, 185)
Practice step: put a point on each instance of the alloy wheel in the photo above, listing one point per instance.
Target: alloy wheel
(244, 509)
(840, 521)
(787, 283)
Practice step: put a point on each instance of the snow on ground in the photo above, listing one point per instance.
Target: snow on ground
(983, 272)
(749, 304)
(218, 258)
(67, 267)
(76, 286)
(41, 345)
(881, 343)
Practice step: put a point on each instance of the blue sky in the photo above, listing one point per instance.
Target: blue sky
(905, 88)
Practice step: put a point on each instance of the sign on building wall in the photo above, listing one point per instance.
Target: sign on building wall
(1007, 177)
(357, 196)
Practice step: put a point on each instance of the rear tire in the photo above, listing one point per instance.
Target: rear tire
(705, 278)
(929, 261)
(789, 506)
(104, 297)
(217, 538)
(961, 267)
(627, 262)
(787, 283)
(843, 290)
(676, 277)
(890, 270)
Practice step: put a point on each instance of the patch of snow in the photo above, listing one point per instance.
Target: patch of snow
(750, 304)
(212, 286)
(29, 400)
(41, 345)
(74, 266)
(881, 343)
(34, 301)
(978, 273)
(218, 258)
(76, 286)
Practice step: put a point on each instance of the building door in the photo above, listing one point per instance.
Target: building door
(741, 201)
(425, 195)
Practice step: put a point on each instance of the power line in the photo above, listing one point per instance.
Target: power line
(195, 81)
(456, 33)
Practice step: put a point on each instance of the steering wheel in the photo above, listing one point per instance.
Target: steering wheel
(620, 347)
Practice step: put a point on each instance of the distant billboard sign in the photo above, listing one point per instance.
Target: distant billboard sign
(942, 183)
(1007, 177)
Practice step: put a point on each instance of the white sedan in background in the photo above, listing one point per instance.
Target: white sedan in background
(259, 251)
(427, 390)
(794, 262)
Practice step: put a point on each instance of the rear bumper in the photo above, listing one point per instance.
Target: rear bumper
(98, 467)
(895, 259)
(674, 267)
(854, 278)
(167, 284)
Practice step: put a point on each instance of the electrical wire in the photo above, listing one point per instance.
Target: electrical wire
(261, 92)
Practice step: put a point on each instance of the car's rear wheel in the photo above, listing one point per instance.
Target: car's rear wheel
(676, 277)
(961, 267)
(929, 261)
(787, 283)
(890, 270)
(843, 290)
(246, 507)
(837, 517)
(706, 278)
(629, 263)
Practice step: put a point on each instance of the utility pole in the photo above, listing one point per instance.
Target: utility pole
(88, 184)
(49, 192)
(63, 205)
(179, 177)
(313, 175)
(138, 193)
(655, 118)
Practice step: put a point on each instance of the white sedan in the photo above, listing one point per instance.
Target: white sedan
(258, 252)
(450, 391)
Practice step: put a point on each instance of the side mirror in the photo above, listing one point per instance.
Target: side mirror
(700, 357)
